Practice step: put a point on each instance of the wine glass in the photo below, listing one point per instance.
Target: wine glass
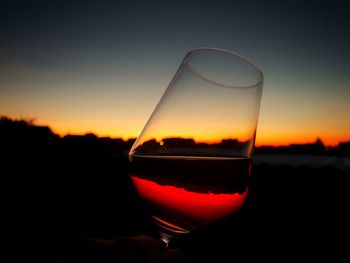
(192, 160)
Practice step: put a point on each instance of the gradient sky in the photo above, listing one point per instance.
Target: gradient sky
(81, 66)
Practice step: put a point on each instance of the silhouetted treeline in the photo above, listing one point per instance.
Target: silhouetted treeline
(22, 137)
(316, 148)
(28, 134)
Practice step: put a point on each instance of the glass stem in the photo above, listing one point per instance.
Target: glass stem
(163, 243)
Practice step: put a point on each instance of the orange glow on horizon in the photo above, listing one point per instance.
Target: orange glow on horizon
(268, 134)
(284, 139)
(288, 137)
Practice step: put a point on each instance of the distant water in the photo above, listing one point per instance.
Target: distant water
(314, 161)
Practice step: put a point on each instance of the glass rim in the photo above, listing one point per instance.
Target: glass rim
(260, 81)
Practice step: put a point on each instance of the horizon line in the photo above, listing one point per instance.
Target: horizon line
(32, 122)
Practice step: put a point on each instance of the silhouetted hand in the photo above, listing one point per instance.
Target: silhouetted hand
(140, 249)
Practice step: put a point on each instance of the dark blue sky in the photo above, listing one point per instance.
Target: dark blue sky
(102, 65)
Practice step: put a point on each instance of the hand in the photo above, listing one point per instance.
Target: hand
(140, 249)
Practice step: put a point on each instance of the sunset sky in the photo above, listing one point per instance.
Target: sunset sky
(102, 66)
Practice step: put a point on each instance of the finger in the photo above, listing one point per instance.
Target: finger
(95, 243)
(172, 256)
(137, 249)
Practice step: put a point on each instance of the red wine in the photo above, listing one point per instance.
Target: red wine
(185, 192)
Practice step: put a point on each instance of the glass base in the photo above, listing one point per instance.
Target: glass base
(168, 230)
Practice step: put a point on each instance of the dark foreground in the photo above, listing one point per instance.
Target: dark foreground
(298, 212)
(54, 194)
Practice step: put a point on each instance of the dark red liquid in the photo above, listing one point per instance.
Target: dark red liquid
(185, 192)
